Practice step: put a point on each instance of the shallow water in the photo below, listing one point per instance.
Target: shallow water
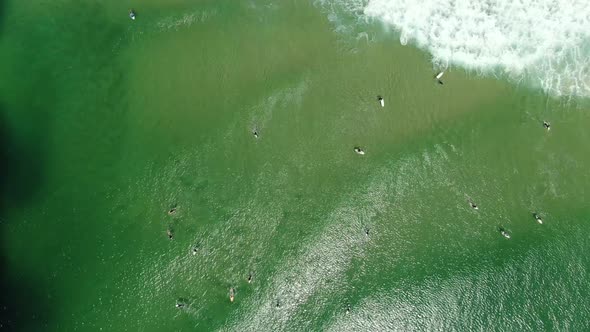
(109, 123)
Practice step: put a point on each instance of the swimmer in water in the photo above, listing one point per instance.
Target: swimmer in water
(170, 234)
(381, 101)
(547, 125)
(278, 304)
(358, 150)
(231, 294)
(537, 218)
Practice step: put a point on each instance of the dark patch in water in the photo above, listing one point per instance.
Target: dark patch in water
(22, 300)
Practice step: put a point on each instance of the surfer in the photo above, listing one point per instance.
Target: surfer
(231, 294)
(195, 250)
(172, 211)
(537, 218)
(439, 76)
(381, 101)
(504, 233)
(348, 308)
(132, 14)
(250, 278)
(358, 150)
(367, 231)
(278, 305)
(473, 205)
(547, 125)
(255, 133)
(169, 233)
(179, 305)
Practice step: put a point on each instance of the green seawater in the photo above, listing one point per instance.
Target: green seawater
(106, 124)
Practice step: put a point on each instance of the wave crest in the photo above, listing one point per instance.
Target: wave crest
(545, 41)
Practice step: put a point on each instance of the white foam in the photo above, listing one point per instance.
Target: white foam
(186, 20)
(289, 97)
(545, 41)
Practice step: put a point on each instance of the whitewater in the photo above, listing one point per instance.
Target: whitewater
(544, 43)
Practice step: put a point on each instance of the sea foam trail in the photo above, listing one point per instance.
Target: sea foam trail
(546, 42)
(323, 260)
(317, 273)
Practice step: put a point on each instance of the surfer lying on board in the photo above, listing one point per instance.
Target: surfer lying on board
(438, 77)
(504, 232)
(381, 101)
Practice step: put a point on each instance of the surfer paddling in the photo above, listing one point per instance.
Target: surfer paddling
(547, 125)
(438, 77)
(504, 232)
(172, 211)
(381, 101)
(358, 150)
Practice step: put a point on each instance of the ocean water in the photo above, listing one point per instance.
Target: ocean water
(107, 124)
(543, 43)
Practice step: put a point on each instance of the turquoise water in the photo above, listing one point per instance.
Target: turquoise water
(109, 123)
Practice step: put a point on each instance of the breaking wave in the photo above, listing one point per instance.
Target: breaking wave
(544, 42)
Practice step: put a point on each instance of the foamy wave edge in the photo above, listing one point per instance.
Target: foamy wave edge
(545, 43)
